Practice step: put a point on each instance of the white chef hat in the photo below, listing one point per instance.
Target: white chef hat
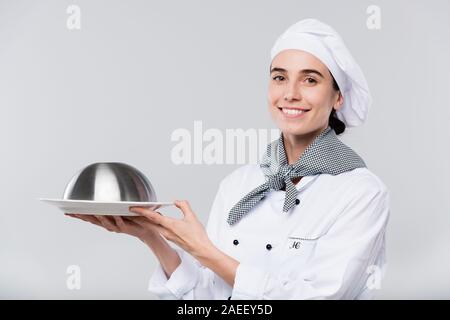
(322, 41)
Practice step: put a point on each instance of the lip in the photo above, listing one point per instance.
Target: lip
(294, 116)
(295, 108)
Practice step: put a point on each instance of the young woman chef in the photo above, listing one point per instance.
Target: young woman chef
(307, 222)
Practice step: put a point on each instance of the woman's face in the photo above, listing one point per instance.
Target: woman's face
(300, 80)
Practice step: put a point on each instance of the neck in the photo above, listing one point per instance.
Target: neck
(295, 145)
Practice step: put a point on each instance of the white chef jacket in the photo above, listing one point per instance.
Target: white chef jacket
(331, 245)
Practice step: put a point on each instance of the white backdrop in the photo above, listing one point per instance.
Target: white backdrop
(135, 73)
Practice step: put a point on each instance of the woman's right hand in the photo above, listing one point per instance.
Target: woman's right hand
(138, 227)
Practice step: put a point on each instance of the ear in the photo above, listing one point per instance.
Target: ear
(339, 101)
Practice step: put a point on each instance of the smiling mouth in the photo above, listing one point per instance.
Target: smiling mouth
(292, 112)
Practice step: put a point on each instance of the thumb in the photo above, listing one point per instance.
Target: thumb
(185, 207)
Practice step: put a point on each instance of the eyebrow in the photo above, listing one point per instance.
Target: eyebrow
(301, 71)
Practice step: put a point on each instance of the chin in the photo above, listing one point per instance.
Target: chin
(296, 131)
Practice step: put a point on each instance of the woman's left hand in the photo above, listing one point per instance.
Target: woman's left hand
(188, 233)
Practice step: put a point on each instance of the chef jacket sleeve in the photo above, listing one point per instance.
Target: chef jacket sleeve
(343, 259)
(190, 280)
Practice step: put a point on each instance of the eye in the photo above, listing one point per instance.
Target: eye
(275, 78)
(311, 80)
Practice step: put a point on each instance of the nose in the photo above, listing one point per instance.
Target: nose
(292, 92)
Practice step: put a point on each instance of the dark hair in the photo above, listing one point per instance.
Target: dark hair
(337, 125)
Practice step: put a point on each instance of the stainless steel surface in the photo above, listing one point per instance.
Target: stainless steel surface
(110, 181)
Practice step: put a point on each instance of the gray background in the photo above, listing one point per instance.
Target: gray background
(138, 70)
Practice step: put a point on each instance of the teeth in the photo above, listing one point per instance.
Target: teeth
(292, 111)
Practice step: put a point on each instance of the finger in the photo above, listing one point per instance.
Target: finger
(166, 233)
(87, 218)
(163, 231)
(108, 224)
(148, 223)
(124, 224)
(120, 223)
(153, 216)
(185, 207)
(140, 209)
(140, 221)
(72, 215)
